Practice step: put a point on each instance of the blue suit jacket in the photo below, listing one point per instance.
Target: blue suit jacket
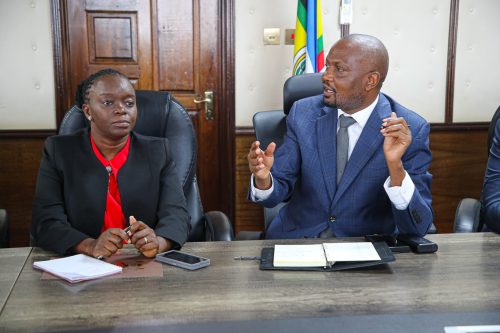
(491, 188)
(304, 173)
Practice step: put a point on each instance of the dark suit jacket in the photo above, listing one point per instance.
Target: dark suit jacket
(491, 188)
(71, 189)
(304, 173)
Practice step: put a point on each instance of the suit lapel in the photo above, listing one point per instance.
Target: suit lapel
(95, 174)
(326, 127)
(128, 177)
(369, 142)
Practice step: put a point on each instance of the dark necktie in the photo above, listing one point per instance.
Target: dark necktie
(343, 144)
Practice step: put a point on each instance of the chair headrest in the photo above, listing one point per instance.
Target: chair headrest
(301, 86)
(152, 112)
(73, 120)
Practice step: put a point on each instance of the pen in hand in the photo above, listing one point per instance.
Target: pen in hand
(388, 121)
(382, 127)
(127, 231)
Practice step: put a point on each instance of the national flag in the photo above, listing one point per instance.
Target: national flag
(308, 55)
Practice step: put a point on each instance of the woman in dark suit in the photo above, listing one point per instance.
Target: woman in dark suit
(95, 183)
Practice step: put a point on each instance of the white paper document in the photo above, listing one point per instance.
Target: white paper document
(299, 256)
(77, 268)
(322, 255)
(359, 251)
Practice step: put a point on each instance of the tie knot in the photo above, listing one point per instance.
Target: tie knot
(346, 121)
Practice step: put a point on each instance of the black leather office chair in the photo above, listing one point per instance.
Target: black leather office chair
(160, 115)
(270, 126)
(468, 216)
(4, 229)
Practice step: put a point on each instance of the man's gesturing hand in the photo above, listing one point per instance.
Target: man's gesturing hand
(260, 163)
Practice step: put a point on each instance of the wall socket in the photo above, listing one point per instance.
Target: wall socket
(272, 36)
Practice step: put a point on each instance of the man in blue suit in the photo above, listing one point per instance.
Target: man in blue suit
(385, 187)
(491, 188)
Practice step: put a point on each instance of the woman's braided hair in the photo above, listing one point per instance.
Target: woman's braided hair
(82, 91)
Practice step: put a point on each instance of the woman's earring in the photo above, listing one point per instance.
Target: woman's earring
(90, 118)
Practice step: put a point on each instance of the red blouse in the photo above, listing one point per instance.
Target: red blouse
(113, 215)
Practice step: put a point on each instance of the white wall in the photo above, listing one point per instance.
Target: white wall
(27, 97)
(262, 69)
(477, 83)
(416, 36)
(415, 33)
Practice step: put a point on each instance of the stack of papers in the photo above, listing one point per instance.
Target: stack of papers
(77, 268)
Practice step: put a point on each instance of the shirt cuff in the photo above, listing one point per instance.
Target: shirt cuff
(400, 196)
(257, 194)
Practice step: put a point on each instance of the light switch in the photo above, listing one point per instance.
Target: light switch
(272, 36)
(289, 36)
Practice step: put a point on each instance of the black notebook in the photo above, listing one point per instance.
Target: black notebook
(385, 255)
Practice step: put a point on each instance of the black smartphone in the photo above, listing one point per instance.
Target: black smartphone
(418, 244)
(391, 241)
(182, 259)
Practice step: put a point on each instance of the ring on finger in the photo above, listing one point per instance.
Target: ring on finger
(145, 240)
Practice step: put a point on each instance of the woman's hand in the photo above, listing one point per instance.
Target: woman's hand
(106, 245)
(145, 239)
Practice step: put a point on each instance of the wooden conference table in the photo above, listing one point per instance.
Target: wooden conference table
(458, 285)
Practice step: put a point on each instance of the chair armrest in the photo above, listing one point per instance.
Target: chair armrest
(219, 225)
(4, 228)
(467, 216)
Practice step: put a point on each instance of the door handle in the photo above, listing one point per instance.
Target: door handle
(209, 104)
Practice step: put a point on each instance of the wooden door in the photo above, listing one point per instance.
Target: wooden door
(179, 46)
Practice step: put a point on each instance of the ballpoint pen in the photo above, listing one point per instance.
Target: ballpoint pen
(127, 230)
(246, 258)
(382, 127)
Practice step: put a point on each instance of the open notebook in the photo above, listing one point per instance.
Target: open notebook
(77, 268)
(326, 256)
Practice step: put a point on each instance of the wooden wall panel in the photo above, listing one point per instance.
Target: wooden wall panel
(248, 216)
(459, 161)
(458, 165)
(19, 162)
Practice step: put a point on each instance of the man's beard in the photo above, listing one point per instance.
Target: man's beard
(354, 102)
